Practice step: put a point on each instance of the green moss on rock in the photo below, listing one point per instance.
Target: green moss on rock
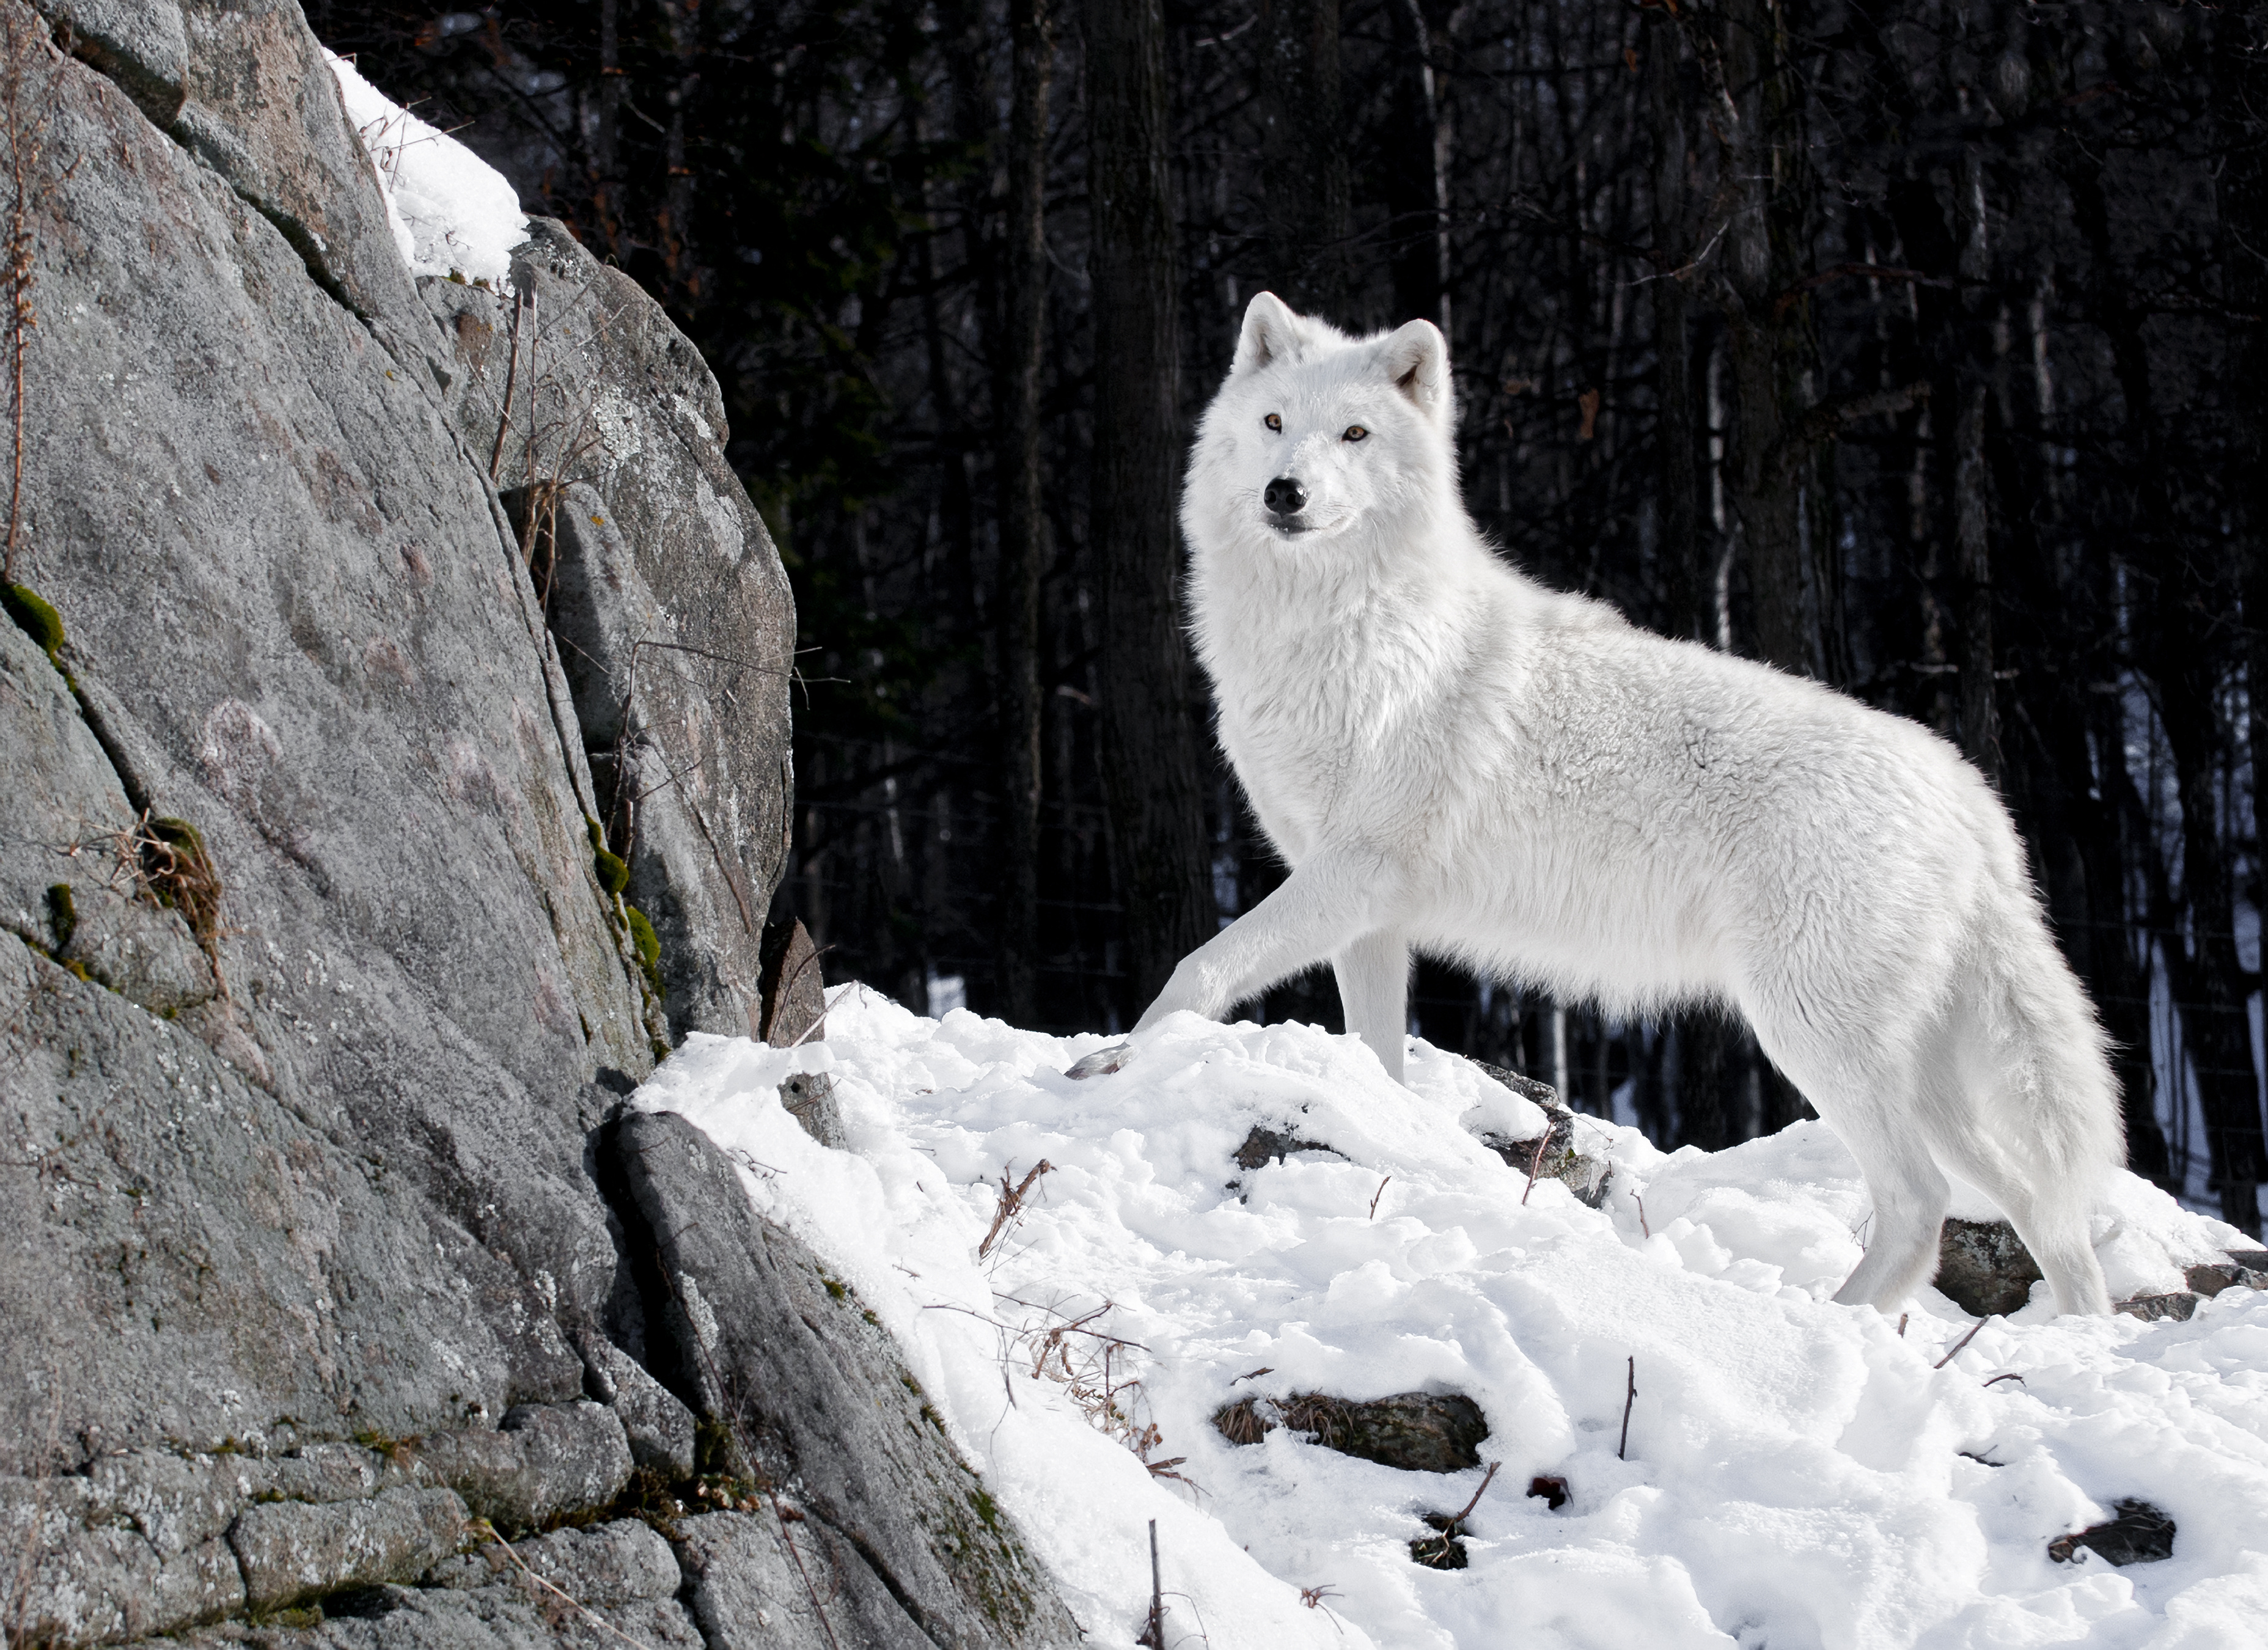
(648, 943)
(613, 870)
(36, 618)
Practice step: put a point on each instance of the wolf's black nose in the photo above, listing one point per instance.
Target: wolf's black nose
(1284, 497)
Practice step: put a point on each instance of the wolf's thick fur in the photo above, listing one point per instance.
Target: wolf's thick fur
(1453, 758)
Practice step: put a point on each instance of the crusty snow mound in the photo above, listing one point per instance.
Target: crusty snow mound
(452, 213)
(1799, 1474)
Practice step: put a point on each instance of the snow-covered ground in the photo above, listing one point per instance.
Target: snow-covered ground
(452, 213)
(1798, 1473)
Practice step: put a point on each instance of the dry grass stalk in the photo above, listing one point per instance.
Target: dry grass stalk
(164, 862)
(1012, 1204)
(520, 306)
(1088, 1363)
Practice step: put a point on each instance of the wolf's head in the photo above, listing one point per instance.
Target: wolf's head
(1319, 437)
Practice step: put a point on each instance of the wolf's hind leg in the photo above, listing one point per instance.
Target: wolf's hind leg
(1373, 975)
(1910, 1197)
(2051, 1215)
(1877, 1116)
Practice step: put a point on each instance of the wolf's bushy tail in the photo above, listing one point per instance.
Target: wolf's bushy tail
(2058, 1098)
(2044, 1125)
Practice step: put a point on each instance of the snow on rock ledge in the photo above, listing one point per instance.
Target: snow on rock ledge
(1799, 1473)
(452, 213)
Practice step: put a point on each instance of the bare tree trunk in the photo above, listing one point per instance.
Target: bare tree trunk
(1309, 210)
(1023, 510)
(2240, 60)
(1687, 567)
(1774, 465)
(678, 254)
(606, 139)
(1417, 175)
(1972, 549)
(1151, 769)
(2178, 653)
(2209, 980)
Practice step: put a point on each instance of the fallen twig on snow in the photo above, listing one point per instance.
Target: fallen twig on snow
(1535, 1163)
(1958, 1345)
(1012, 1204)
(1154, 1629)
(1622, 1450)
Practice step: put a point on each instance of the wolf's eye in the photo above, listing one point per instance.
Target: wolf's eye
(1354, 432)
(1274, 422)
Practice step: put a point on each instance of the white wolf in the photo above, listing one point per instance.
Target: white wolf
(1453, 758)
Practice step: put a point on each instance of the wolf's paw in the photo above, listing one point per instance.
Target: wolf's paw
(1102, 1062)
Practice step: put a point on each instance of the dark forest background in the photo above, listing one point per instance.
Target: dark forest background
(1914, 345)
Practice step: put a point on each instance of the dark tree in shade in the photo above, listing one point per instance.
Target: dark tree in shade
(1307, 203)
(1153, 767)
(1023, 508)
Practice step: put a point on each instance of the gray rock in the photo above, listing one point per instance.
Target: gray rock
(174, 1502)
(1263, 1146)
(141, 44)
(620, 1562)
(337, 1472)
(546, 1460)
(675, 618)
(2210, 1281)
(141, 950)
(1557, 1154)
(86, 1571)
(513, 1614)
(792, 1009)
(577, 1456)
(1984, 1268)
(2140, 1534)
(815, 1397)
(291, 1550)
(1416, 1432)
(659, 1426)
(351, 1193)
(305, 1198)
(2179, 1306)
(750, 1593)
(262, 110)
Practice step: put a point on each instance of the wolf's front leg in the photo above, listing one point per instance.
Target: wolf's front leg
(1324, 906)
(1373, 975)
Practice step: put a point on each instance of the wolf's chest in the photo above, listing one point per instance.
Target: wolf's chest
(1317, 723)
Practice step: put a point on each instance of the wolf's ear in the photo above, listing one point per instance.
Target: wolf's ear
(1271, 333)
(1417, 358)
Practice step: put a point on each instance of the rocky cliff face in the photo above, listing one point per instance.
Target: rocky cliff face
(383, 795)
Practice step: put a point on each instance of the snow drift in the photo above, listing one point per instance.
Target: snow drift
(1799, 1474)
(452, 213)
